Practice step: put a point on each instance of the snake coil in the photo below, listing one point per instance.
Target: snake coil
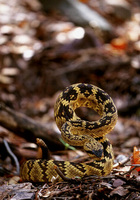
(81, 133)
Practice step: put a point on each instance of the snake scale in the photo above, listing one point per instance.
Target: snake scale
(81, 133)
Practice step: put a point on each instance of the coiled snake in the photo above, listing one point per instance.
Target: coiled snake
(78, 132)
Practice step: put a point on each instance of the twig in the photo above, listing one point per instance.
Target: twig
(128, 172)
(42, 188)
(135, 165)
(60, 173)
(12, 156)
(121, 164)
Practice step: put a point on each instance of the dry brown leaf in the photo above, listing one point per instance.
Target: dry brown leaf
(119, 191)
(118, 182)
(136, 158)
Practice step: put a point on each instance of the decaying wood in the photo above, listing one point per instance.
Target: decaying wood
(28, 128)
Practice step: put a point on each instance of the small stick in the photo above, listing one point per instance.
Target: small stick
(60, 173)
(121, 163)
(12, 156)
(129, 171)
(135, 165)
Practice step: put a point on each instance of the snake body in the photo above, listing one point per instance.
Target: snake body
(81, 133)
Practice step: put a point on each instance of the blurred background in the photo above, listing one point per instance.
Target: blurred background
(48, 45)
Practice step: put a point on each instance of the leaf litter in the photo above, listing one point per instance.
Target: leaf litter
(40, 56)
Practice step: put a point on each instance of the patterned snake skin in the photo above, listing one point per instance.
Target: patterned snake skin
(77, 132)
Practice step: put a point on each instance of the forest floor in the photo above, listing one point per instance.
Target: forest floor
(41, 53)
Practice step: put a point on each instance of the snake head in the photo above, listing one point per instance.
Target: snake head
(94, 148)
(96, 153)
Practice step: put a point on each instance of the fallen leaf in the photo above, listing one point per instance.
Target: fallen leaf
(120, 191)
(119, 43)
(118, 182)
(136, 158)
(109, 186)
